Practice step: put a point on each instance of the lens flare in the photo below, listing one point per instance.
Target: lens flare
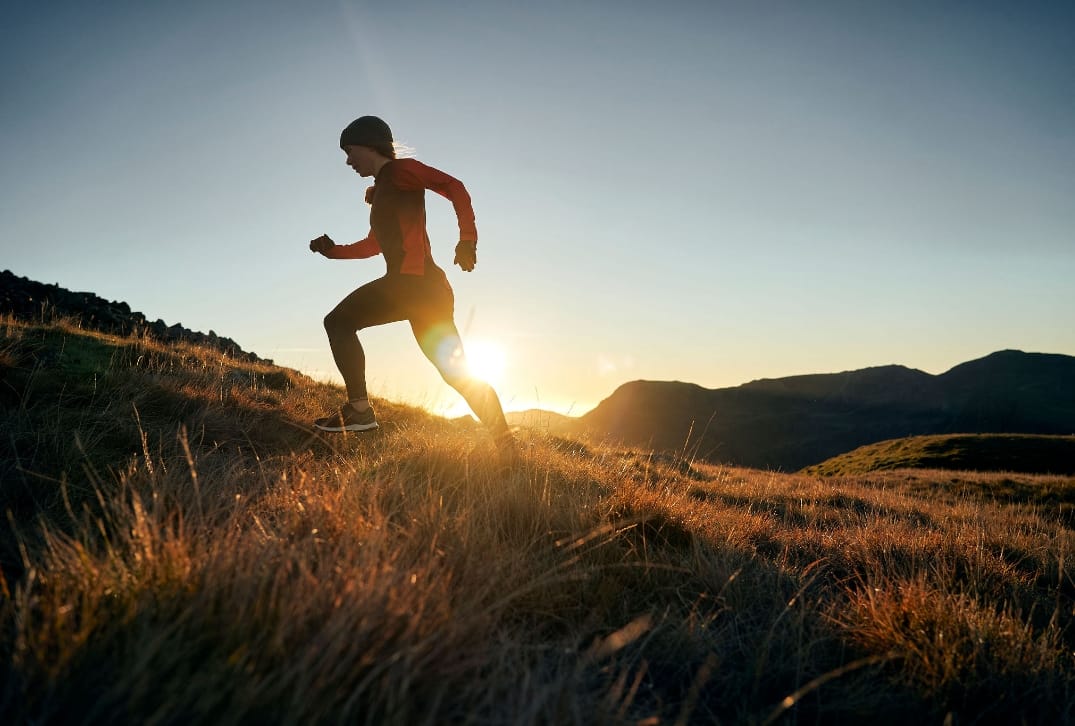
(486, 361)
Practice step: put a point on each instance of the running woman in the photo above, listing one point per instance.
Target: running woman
(414, 289)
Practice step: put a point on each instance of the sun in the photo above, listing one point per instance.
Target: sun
(486, 361)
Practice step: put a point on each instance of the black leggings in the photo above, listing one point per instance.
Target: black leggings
(427, 302)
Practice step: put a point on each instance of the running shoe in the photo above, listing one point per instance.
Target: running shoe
(348, 419)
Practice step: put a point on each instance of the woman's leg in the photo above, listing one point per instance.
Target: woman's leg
(440, 342)
(372, 304)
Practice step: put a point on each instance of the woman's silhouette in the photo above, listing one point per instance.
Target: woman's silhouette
(414, 288)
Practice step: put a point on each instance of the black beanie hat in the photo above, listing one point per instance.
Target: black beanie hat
(367, 131)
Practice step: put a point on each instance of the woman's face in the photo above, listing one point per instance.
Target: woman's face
(361, 159)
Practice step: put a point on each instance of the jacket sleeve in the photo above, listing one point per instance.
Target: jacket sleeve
(414, 175)
(356, 250)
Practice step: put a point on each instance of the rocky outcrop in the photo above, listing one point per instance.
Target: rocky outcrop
(27, 299)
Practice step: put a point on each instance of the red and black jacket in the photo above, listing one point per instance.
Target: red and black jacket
(398, 217)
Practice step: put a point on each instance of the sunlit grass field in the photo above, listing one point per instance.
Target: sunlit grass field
(180, 547)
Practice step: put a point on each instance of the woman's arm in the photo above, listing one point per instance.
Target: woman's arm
(413, 175)
(362, 249)
(367, 247)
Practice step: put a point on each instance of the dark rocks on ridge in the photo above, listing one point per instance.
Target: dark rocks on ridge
(27, 299)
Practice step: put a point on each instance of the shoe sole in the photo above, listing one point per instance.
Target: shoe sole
(348, 427)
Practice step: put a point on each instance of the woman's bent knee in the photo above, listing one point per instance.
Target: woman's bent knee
(336, 324)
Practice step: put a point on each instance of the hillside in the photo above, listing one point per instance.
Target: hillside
(782, 424)
(26, 299)
(790, 423)
(961, 452)
(184, 549)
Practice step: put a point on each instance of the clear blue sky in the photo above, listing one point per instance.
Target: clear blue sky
(702, 191)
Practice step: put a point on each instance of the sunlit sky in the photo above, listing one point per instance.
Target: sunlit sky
(699, 191)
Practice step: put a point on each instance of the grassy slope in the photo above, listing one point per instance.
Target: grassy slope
(247, 570)
(967, 452)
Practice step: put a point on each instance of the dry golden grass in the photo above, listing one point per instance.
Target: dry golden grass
(199, 554)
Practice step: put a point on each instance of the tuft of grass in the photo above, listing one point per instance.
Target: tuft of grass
(955, 647)
(183, 547)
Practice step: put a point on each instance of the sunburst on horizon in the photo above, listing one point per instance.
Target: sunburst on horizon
(487, 361)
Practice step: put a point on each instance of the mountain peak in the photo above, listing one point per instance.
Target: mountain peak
(788, 423)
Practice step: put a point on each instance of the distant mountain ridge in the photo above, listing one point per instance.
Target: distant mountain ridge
(29, 300)
(790, 423)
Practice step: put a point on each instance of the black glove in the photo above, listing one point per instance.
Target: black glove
(322, 244)
(466, 254)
